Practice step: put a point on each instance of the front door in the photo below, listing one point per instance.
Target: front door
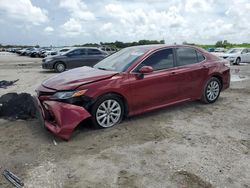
(76, 57)
(154, 89)
(245, 55)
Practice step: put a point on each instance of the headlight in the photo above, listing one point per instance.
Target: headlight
(68, 94)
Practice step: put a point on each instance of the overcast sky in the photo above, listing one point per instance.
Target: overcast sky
(67, 22)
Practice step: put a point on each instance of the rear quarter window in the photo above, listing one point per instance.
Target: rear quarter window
(200, 57)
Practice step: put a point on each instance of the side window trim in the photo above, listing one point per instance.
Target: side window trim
(174, 59)
(204, 58)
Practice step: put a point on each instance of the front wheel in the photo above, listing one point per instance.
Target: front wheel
(107, 111)
(238, 60)
(60, 67)
(211, 91)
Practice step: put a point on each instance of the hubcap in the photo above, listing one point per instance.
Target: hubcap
(213, 90)
(108, 113)
(60, 67)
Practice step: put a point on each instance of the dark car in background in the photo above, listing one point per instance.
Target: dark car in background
(76, 57)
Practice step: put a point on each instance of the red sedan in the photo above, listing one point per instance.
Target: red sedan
(132, 81)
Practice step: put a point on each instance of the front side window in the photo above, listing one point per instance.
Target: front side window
(159, 60)
(244, 51)
(76, 52)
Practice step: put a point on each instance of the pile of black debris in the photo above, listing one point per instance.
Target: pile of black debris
(17, 106)
(4, 83)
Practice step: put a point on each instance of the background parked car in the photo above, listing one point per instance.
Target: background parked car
(50, 53)
(77, 57)
(25, 51)
(237, 55)
(34, 52)
(219, 50)
(210, 49)
(108, 50)
(63, 50)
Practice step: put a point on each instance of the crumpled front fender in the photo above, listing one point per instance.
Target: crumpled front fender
(66, 117)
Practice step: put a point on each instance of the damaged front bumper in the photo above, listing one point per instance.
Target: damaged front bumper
(61, 118)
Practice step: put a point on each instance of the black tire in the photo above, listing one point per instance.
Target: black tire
(97, 105)
(237, 61)
(206, 98)
(60, 67)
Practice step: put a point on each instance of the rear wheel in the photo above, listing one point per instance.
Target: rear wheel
(60, 67)
(211, 91)
(107, 111)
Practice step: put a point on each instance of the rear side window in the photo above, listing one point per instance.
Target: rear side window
(187, 56)
(244, 51)
(159, 60)
(77, 52)
(94, 52)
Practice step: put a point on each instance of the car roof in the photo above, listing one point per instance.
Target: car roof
(85, 47)
(153, 47)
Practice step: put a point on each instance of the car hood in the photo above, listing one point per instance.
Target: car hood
(74, 78)
(229, 55)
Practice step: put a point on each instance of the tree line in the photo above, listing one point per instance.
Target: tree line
(120, 44)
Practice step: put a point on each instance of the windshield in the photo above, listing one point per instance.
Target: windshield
(234, 50)
(121, 60)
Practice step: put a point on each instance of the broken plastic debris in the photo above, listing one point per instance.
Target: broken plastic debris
(4, 83)
(12, 178)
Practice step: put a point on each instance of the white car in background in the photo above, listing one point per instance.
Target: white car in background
(237, 55)
(108, 50)
(219, 50)
(50, 53)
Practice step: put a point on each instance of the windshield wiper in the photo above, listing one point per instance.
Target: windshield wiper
(102, 68)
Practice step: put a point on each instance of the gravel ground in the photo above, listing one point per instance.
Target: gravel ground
(189, 145)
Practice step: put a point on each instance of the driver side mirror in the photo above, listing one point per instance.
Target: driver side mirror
(146, 69)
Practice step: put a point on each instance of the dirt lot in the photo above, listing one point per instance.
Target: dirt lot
(190, 145)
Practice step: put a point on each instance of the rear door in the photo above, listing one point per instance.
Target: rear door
(93, 57)
(245, 55)
(191, 72)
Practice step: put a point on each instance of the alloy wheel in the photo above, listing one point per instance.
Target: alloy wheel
(108, 113)
(60, 67)
(213, 90)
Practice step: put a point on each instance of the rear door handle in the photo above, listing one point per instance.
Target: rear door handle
(204, 66)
